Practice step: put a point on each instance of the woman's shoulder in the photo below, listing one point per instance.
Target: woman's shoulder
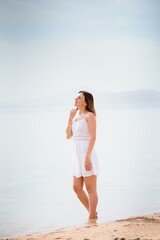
(89, 115)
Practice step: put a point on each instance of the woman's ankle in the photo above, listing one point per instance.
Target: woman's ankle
(93, 215)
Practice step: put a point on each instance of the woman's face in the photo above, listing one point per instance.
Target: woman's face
(80, 101)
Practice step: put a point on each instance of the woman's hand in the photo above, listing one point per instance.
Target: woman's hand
(72, 114)
(88, 164)
(69, 127)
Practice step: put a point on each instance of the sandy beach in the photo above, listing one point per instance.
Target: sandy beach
(133, 228)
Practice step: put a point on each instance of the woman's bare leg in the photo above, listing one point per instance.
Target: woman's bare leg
(78, 188)
(91, 187)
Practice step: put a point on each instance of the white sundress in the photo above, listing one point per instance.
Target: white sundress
(80, 143)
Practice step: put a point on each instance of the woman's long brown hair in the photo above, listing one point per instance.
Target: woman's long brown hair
(89, 101)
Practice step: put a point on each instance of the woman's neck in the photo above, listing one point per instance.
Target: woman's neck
(82, 111)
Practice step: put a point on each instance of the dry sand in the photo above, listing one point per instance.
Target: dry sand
(133, 228)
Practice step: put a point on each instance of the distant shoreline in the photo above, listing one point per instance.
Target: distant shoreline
(107, 106)
(103, 99)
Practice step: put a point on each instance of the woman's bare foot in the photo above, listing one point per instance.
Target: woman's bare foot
(92, 221)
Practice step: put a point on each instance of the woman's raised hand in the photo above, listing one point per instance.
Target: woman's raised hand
(73, 113)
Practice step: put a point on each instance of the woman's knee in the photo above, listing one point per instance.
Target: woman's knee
(90, 184)
(77, 188)
(91, 189)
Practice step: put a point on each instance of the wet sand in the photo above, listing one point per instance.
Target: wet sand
(133, 228)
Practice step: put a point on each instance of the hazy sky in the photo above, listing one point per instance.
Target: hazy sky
(50, 46)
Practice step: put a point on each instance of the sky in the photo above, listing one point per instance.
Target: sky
(52, 46)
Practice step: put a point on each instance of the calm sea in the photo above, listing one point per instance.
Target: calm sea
(36, 169)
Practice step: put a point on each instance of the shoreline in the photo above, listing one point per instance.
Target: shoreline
(145, 227)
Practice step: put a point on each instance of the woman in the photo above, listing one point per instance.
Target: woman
(82, 127)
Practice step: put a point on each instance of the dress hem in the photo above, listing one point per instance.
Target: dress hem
(86, 175)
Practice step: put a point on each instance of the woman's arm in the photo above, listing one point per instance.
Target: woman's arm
(69, 126)
(91, 120)
(69, 129)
